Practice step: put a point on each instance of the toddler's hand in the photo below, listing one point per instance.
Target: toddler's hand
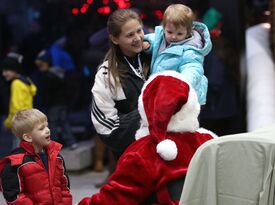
(145, 45)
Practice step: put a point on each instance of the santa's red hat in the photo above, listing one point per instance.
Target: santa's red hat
(167, 104)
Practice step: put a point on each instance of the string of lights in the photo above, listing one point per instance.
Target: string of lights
(105, 9)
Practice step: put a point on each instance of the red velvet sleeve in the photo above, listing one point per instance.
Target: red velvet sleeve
(130, 184)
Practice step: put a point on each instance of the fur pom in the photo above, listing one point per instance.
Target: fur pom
(167, 149)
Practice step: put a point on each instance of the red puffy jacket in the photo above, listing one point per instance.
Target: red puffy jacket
(26, 181)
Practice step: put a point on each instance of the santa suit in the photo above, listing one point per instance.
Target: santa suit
(152, 169)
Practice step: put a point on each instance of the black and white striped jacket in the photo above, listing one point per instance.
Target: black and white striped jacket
(115, 115)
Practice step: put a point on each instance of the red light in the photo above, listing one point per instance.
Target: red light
(143, 15)
(83, 10)
(104, 10)
(158, 14)
(75, 11)
(123, 4)
(86, 6)
(89, 1)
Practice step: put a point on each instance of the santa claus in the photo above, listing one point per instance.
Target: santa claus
(153, 168)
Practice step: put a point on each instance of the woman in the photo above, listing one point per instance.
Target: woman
(118, 82)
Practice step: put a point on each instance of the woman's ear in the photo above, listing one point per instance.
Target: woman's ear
(113, 39)
(27, 137)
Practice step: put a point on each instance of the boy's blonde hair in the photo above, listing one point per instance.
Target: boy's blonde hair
(179, 15)
(24, 121)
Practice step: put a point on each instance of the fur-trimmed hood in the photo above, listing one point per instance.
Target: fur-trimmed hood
(185, 120)
(167, 104)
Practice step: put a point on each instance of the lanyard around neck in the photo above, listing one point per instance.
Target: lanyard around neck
(139, 70)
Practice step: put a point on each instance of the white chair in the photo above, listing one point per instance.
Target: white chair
(233, 170)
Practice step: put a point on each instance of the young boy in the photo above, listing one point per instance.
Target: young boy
(34, 173)
(22, 89)
(180, 44)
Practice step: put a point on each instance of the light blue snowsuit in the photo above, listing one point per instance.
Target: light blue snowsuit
(186, 57)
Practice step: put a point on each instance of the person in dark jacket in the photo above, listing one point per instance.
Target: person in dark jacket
(118, 82)
(35, 172)
(222, 112)
(54, 94)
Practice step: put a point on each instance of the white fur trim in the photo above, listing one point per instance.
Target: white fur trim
(144, 122)
(142, 131)
(167, 149)
(186, 119)
(203, 130)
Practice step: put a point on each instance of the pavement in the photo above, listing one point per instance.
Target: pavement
(82, 184)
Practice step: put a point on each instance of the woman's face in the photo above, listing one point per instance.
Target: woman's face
(130, 39)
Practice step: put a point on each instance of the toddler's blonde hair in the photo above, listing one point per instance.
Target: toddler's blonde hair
(24, 121)
(179, 15)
